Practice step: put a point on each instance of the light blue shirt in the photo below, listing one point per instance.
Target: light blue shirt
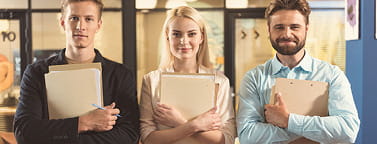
(341, 126)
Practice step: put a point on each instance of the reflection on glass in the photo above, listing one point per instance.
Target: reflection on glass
(150, 41)
(264, 3)
(192, 3)
(112, 3)
(325, 41)
(45, 4)
(252, 47)
(325, 38)
(49, 37)
(9, 71)
(56, 4)
(13, 4)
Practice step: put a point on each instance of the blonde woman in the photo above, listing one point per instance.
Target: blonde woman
(186, 52)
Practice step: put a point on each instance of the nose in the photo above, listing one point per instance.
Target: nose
(287, 32)
(80, 25)
(183, 40)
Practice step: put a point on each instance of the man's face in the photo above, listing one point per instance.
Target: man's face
(287, 30)
(81, 22)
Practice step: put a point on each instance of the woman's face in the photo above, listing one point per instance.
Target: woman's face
(184, 38)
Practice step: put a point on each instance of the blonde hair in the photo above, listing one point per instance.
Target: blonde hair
(65, 3)
(202, 58)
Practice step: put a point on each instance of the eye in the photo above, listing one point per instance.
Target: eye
(89, 19)
(279, 27)
(192, 34)
(295, 27)
(176, 34)
(74, 18)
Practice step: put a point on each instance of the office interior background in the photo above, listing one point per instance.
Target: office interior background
(237, 33)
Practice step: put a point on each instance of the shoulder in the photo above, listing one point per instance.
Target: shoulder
(328, 72)
(116, 68)
(152, 75)
(259, 71)
(326, 68)
(220, 77)
(40, 66)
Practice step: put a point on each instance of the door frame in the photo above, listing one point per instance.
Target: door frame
(230, 16)
(25, 34)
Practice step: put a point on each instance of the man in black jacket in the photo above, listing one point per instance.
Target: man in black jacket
(81, 19)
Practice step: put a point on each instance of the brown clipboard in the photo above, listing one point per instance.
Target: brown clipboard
(302, 97)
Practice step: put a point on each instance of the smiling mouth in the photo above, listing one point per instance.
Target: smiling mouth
(80, 36)
(184, 49)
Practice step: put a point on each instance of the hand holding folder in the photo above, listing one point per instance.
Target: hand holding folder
(71, 89)
(302, 96)
(190, 94)
(309, 98)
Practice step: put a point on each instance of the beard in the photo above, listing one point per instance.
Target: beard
(288, 50)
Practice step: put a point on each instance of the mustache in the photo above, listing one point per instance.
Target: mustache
(287, 40)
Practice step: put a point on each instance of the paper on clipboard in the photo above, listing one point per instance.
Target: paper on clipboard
(302, 97)
(72, 89)
(191, 94)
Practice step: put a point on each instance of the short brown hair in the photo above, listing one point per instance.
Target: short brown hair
(64, 4)
(300, 5)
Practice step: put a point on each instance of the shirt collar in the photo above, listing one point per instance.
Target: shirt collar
(305, 64)
(202, 69)
(60, 59)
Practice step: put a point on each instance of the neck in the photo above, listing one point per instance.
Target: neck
(79, 55)
(185, 66)
(291, 60)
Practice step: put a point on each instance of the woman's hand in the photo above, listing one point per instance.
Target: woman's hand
(207, 121)
(168, 116)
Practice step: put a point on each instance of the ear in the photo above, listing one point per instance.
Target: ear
(167, 35)
(62, 22)
(99, 25)
(201, 37)
(307, 27)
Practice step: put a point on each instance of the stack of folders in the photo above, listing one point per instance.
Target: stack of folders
(72, 89)
(309, 98)
(191, 94)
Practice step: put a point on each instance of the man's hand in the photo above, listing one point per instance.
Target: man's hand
(277, 114)
(168, 115)
(99, 120)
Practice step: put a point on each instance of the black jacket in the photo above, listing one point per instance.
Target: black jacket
(32, 125)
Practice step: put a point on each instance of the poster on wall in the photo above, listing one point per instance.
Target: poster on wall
(352, 20)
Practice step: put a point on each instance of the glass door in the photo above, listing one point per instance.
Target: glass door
(10, 68)
(246, 46)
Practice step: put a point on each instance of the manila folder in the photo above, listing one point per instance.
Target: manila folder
(190, 94)
(302, 97)
(71, 93)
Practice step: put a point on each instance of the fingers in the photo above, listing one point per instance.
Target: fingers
(114, 111)
(111, 106)
(213, 110)
(277, 95)
(279, 99)
(164, 106)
